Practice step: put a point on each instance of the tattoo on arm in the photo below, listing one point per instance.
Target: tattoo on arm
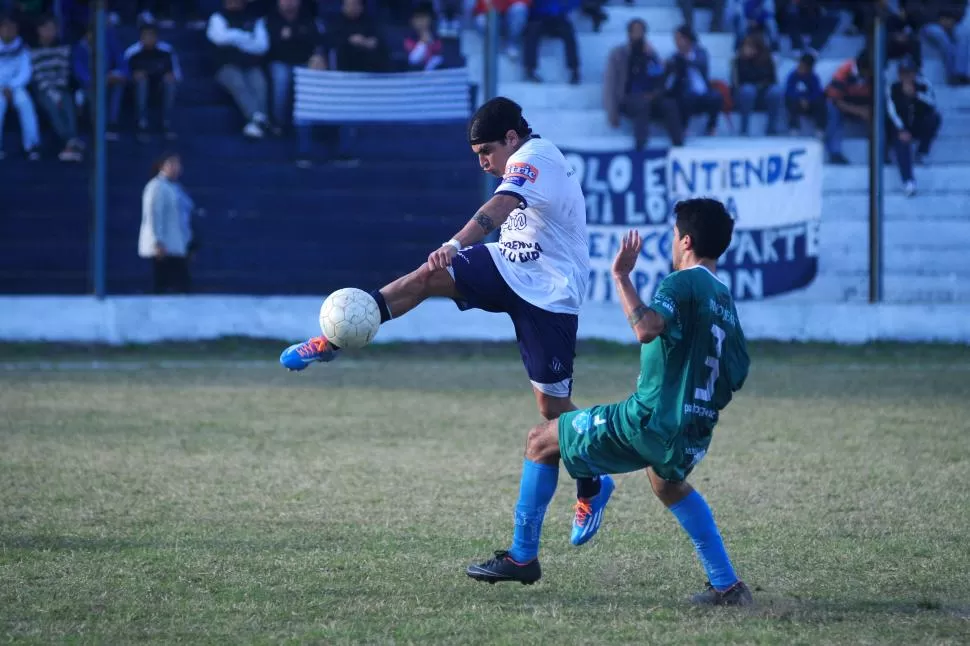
(637, 314)
(484, 222)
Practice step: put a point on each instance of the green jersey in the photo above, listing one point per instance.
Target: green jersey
(689, 373)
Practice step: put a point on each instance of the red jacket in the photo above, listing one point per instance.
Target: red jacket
(500, 5)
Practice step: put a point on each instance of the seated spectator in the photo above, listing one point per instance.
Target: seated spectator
(514, 15)
(423, 47)
(804, 96)
(635, 86)
(717, 8)
(51, 84)
(901, 40)
(849, 97)
(241, 41)
(155, 72)
(754, 82)
(953, 42)
(755, 14)
(912, 118)
(116, 79)
(688, 81)
(294, 41)
(14, 77)
(808, 24)
(593, 9)
(551, 18)
(356, 40)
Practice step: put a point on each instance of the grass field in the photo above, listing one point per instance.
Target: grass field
(143, 498)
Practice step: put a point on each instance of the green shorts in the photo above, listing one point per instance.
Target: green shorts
(617, 438)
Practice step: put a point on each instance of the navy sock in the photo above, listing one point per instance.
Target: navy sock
(697, 520)
(382, 306)
(587, 487)
(535, 492)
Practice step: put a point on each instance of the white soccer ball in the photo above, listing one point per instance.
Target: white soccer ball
(350, 318)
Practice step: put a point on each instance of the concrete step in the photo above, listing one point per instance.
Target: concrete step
(853, 286)
(594, 50)
(928, 207)
(853, 181)
(593, 123)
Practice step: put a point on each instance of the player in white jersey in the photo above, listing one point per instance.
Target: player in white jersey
(537, 273)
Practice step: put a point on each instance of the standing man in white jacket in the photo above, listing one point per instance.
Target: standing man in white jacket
(241, 41)
(15, 71)
(165, 234)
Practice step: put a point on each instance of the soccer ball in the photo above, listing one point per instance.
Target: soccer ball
(349, 318)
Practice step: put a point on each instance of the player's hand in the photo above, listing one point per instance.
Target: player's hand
(905, 137)
(626, 257)
(441, 257)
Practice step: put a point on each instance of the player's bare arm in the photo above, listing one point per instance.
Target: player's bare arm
(490, 217)
(647, 324)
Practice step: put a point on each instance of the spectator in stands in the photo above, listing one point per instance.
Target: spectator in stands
(754, 14)
(116, 78)
(423, 47)
(912, 118)
(165, 235)
(294, 41)
(51, 84)
(688, 81)
(808, 24)
(804, 96)
(901, 40)
(635, 87)
(155, 72)
(14, 77)
(754, 83)
(241, 41)
(717, 8)
(953, 42)
(356, 39)
(849, 97)
(551, 18)
(514, 15)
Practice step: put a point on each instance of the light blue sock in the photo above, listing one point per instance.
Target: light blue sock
(535, 492)
(695, 517)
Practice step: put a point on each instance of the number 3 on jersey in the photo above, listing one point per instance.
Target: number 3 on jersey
(714, 363)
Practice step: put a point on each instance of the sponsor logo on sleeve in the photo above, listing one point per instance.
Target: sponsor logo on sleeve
(519, 173)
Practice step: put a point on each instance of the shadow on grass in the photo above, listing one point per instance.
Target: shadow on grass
(769, 606)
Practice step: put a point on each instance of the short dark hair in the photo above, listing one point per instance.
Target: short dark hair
(495, 118)
(708, 224)
(45, 19)
(637, 21)
(808, 58)
(161, 159)
(423, 9)
(147, 26)
(687, 33)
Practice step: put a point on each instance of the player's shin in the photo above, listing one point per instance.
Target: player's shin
(697, 520)
(536, 489)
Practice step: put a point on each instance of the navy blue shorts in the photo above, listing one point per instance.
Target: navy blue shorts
(547, 340)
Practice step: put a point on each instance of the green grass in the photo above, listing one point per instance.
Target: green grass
(236, 503)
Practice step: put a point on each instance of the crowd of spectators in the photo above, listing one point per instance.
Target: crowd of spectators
(641, 86)
(43, 72)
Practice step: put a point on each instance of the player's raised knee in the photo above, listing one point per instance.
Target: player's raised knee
(542, 442)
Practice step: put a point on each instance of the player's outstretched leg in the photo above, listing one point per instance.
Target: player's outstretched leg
(394, 299)
(540, 474)
(724, 588)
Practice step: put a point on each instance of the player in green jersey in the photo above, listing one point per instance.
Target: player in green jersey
(692, 360)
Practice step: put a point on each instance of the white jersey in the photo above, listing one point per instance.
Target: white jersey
(543, 251)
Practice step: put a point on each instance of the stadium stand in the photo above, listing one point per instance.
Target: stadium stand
(269, 227)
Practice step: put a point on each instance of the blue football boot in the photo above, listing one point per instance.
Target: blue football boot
(299, 355)
(589, 512)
